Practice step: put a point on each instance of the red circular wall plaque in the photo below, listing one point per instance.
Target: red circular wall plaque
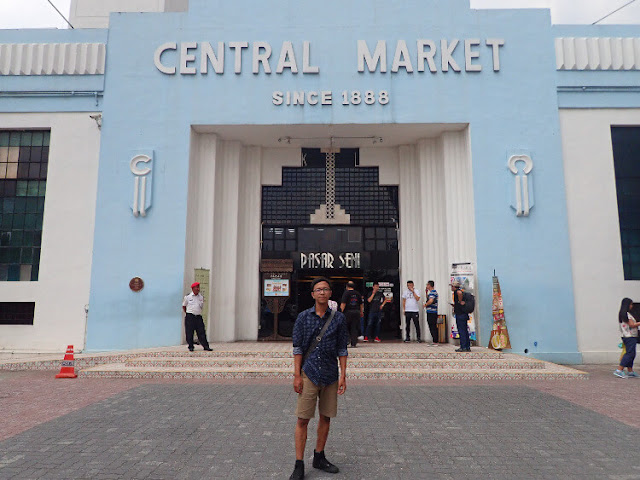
(136, 284)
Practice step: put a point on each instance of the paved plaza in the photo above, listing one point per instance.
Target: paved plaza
(144, 429)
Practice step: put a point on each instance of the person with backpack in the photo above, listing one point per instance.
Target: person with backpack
(462, 302)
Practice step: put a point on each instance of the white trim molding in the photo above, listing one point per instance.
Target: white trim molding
(52, 58)
(597, 53)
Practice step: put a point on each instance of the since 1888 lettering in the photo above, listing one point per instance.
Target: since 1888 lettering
(325, 97)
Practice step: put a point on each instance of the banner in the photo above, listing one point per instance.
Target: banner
(499, 335)
(463, 273)
(201, 275)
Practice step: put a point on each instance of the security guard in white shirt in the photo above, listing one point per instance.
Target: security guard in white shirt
(192, 306)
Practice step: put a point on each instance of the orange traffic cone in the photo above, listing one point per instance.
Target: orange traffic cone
(68, 365)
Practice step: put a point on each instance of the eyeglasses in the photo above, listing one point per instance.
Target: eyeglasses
(322, 290)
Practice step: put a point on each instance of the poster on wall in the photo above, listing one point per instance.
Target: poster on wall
(201, 275)
(463, 273)
(499, 335)
(276, 287)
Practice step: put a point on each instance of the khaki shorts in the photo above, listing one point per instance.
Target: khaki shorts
(328, 404)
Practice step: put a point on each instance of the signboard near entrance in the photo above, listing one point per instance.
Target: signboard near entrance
(276, 287)
(326, 260)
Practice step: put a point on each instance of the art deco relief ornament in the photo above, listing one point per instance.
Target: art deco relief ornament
(521, 166)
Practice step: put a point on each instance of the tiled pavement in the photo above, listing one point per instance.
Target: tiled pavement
(118, 429)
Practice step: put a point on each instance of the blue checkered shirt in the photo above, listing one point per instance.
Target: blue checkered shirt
(322, 364)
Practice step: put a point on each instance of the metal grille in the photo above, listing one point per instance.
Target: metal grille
(330, 188)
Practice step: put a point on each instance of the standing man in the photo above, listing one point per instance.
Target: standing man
(353, 308)
(462, 318)
(315, 376)
(431, 306)
(192, 306)
(411, 307)
(376, 301)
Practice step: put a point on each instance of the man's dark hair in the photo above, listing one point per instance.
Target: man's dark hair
(318, 280)
(409, 281)
(376, 283)
(351, 284)
(432, 283)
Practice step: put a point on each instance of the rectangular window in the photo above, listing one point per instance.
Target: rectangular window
(16, 313)
(24, 156)
(626, 159)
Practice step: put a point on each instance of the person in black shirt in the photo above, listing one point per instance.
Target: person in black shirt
(377, 301)
(353, 308)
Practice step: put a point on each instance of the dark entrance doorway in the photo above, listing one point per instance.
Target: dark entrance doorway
(364, 249)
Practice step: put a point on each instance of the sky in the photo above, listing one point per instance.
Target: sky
(39, 14)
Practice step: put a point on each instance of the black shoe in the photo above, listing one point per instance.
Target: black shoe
(460, 350)
(420, 341)
(208, 349)
(298, 471)
(406, 340)
(321, 462)
(191, 349)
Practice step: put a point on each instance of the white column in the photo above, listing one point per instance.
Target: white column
(411, 264)
(248, 282)
(200, 207)
(432, 220)
(225, 244)
(460, 210)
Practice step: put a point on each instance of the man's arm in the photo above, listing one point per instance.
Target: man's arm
(403, 302)
(371, 297)
(416, 296)
(428, 302)
(342, 305)
(460, 296)
(297, 373)
(342, 383)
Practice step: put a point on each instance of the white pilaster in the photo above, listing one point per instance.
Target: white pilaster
(248, 282)
(433, 220)
(225, 244)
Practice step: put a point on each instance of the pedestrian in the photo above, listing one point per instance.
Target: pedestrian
(629, 332)
(192, 307)
(462, 318)
(411, 307)
(377, 301)
(315, 373)
(333, 305)
(431, 307)
(353, 308)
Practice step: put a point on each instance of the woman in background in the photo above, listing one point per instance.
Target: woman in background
(629, 332)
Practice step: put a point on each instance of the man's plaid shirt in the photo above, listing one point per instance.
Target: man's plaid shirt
(322, 365)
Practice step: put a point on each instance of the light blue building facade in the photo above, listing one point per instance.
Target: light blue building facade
(200, 110)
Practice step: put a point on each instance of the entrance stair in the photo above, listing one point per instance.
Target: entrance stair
(387, 360)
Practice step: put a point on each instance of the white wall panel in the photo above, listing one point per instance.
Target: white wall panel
(594, 229)
(62, 290)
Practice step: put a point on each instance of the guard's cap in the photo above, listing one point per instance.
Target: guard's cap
(195, 284)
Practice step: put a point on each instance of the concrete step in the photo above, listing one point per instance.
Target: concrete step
(120, 370)
(460, 361)
(426, 353)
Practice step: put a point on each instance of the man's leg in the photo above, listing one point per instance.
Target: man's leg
(378, 323)
(353, 318)
(202, 335)
(301, 436)
(323, 432)
(416, 322)
(432, 321)
(188, 329)
(463, 332)
(407, 326)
